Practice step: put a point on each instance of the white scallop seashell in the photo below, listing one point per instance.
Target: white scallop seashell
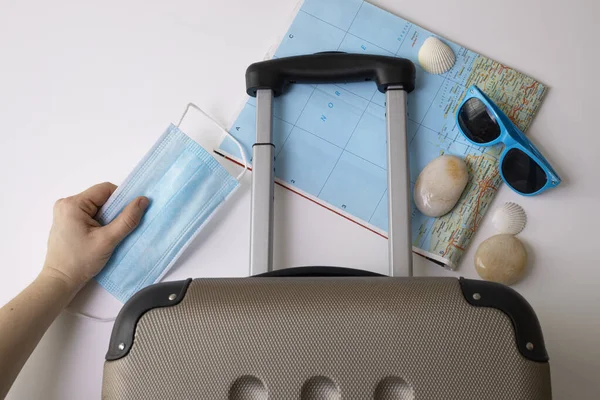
(435, 56)
(509, 218)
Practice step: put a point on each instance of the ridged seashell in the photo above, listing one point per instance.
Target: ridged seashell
(440, 185)
(435, 56)
(501, 258)
(509, 218)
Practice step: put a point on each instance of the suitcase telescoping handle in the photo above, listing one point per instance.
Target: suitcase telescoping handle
(330, 67)
(395, 77)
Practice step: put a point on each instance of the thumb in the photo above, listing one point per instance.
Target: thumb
(127, 220)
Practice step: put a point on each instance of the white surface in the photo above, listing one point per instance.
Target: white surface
(87, 87)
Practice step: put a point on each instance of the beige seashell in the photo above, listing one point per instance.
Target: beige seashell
(435, 56)
(509, 218)
(440, 185)
(501, 258)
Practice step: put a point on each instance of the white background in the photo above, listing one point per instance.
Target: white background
(86, 87)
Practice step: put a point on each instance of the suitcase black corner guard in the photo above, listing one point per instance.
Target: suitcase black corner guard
(165, 294)
(528, 331)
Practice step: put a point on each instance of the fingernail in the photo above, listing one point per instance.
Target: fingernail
(143, 203)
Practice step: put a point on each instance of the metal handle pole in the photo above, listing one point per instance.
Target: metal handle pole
(399, 229)
(261, 222)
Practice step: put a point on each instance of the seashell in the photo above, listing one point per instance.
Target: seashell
(509, 218)
(435, 56)
(440, 185)
(501, 258)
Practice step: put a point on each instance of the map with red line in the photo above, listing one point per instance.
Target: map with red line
(330, 140)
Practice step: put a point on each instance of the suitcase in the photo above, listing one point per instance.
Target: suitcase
(325, 332)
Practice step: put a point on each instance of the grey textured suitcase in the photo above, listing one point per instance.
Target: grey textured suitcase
(323, 332)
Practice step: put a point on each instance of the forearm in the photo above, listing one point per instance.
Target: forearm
(78, 248)
(25, 319)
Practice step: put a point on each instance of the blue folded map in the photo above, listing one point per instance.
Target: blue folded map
(330, 140)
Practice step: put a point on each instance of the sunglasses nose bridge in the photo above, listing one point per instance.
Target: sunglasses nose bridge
(508, 141)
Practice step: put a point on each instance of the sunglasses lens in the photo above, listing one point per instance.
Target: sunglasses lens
(522, 172)
(477, 123)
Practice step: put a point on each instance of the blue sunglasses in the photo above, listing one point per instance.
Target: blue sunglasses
(522, 166)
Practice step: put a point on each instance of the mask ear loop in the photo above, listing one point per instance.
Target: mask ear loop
(87, 316)
(239, 145)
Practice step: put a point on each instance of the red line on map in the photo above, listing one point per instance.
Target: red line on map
(308, 198)
(484, 185)
(452, 244)
(512, 114)
(530, 87)
(501, 68)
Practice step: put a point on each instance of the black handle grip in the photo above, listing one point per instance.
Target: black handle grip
(330, 67)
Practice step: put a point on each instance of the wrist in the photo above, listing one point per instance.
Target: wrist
(66, 284)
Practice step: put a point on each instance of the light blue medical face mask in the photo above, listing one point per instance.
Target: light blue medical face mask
(185, 185)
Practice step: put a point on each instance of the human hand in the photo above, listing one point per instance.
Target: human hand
(78, 246)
